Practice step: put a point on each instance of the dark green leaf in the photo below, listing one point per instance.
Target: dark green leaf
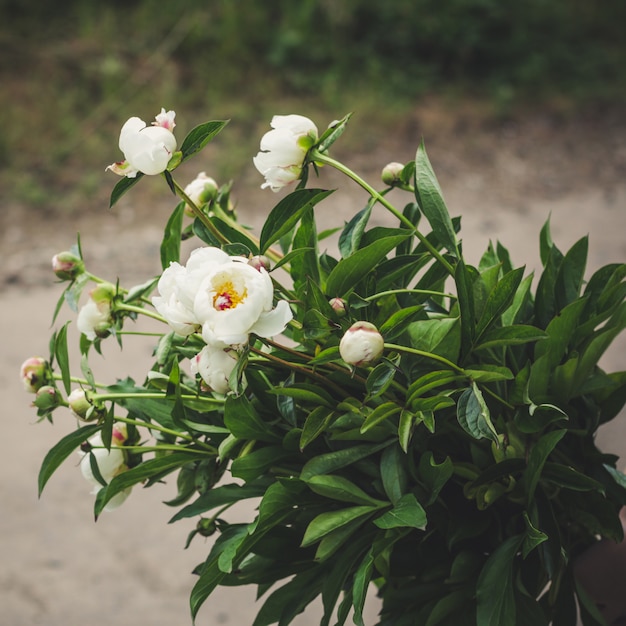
(340, 488)
(331, 461)
(332, 133)
(62, 356)
(258, 462)
(361, 581)
(170, 246)
(430, 198)
(473, 414)
(407, 512)
(348, 272)
(538, 456)
(569, 279)
(315, 424)
(200, 136)
(393, 473)
(122, 186)
(243, 421)
(509, 336)
(497, 609)
(59, 452)
(286, 214)
(325, 523)
(464, 282)
(350, 237)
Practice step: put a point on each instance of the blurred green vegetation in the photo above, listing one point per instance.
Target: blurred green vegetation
(72, 73)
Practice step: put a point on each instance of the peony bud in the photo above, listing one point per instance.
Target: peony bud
(67, 266)
(259, 262)
(200, 190)
(47, 398)
(361, 345)
(34, 373)
(82, 407)
(94, 318)
(391, 173)
(339, 306)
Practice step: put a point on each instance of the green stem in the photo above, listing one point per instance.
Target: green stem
(320, 157)
(428, 355)
(151, 426)
(95, 397)
(426, 292)
(140, 311)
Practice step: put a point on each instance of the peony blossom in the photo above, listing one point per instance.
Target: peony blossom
(284, 149)
(214, 364)
(200, 190)
(362, 344)
(147, 149)
(94, 317)
(235, 299)
(110, 464)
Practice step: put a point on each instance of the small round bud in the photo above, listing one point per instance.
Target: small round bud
(391, 173)
(47, 398)
(67, 266)
(82, 407)
(200, 190)
(206, 526)
(259, 262)
(34, 373)
(339, 306)
(361, 345)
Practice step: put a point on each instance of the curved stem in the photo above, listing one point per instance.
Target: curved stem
(95, 397)
(426, 292)
(427, 355)
(140, 311)
(320, 157)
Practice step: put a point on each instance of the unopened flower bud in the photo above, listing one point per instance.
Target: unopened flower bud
(47, 398)
(94, 318)
(339, 306)
(200, 190)
(391, 173)
(361, 345)
(259, 262)
(67, 266)
(206, 526)
(34, 373)
(82, 407)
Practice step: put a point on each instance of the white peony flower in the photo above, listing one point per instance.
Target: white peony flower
(147, 149)
(178, 287)
(214, 364)
(110, 464)
(283, 150)
(362, 344)
(235, 299)
(201, 189)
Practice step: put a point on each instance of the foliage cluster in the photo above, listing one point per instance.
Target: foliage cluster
(463, 462)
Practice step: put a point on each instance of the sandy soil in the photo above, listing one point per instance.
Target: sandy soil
(58, 567)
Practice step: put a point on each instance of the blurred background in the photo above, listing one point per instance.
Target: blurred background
(522, 106)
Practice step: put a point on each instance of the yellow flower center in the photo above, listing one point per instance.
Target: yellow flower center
(227, 297)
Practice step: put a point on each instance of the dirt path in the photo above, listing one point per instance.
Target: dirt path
(58, 567)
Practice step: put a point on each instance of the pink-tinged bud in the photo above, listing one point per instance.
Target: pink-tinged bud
(259, 262)
(165, 119)
(67, 266)
(47, 398)
(361, 345)
(34, 373)
(391, 173)
(95, 317)
(82, 407)
(339, 306)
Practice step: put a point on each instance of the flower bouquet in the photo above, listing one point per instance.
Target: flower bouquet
(405, 424)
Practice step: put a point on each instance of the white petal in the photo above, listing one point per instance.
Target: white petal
(273, 322)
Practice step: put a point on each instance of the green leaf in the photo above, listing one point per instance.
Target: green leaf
(242, 420)
(464, 281)
(340, 488)
(407, 512)
(397, 323)
(258, 462)
(532, 538)
(435, 475)
(473, 414)
(348, 272)
(497, 609)
(498, 300)
(200, 136)
(570, 276)
(170, 246)
(144, 471)
(538, 456)
(59, 452)
(514, 335)
(362, 578)
(405, 429)
(393, 473)
(350, 237)
(286, 214)
(331, 461)
(306, 393)
(380, 414)
(430, 199)
(122, 186)
(62, 356)
(315, 424)
(332, 133)
(325, 523)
